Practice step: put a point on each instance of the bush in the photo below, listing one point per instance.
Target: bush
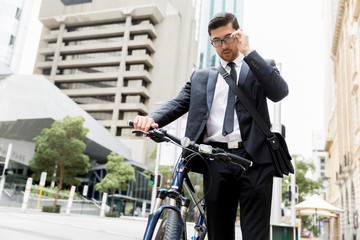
(51, 209)
(51, 192)
(113, 214)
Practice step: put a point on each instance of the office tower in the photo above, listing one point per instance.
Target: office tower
(118, 59)
(14, 17)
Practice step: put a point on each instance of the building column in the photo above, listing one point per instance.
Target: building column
(55, 61)
(120, 80)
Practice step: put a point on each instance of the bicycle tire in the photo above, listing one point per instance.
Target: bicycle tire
(168, 226)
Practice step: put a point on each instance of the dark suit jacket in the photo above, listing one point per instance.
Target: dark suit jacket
(259, 79)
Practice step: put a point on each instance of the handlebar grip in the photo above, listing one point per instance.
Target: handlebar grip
(240, 160)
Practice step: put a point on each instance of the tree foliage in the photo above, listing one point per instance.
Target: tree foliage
(305, 185)
(59, 151)
(119, 174)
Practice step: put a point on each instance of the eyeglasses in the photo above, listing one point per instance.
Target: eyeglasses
(218, 43)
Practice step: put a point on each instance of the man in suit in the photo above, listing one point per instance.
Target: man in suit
(217, 117)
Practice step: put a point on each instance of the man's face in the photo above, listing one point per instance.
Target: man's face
(228, 52)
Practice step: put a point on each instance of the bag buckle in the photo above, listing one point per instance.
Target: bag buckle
(274, 142)
(232, 145)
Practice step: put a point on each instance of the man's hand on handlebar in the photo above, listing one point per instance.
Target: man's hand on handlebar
(144, 123)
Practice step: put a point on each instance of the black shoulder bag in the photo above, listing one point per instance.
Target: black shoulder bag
(276, 142)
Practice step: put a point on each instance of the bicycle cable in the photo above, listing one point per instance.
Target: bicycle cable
(194, 153)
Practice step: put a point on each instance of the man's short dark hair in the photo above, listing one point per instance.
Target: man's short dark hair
(222, 19)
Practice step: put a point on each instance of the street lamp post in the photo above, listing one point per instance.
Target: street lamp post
(154, 190)
(276, 195)
(156, 173)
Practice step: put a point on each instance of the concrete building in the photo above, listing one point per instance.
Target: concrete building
(31, 103)
(319, 155)
(343, 136)
(118, 59)
(14, 18)
(208, 55)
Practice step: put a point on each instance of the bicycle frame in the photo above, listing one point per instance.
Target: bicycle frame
(176, 193)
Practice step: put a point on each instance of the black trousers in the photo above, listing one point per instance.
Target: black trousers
(226, 185)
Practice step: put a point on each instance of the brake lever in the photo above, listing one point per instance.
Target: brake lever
(157, 136)
(226, 158)
(140, 132)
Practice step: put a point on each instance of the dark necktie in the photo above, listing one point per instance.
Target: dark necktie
(228, 126)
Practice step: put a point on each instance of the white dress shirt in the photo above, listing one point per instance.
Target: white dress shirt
(215, 122)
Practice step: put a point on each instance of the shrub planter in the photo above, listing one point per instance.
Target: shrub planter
(113, 214)
(51, 209)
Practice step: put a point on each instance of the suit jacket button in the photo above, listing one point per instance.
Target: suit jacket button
(206, 117)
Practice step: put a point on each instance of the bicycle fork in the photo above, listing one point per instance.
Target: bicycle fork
(159, 208)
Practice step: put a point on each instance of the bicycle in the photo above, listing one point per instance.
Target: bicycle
(173, 224)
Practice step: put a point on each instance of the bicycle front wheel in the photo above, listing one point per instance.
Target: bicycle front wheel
(168, 227)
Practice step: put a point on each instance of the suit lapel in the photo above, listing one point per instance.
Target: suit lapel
(243, 74)
(211, 88)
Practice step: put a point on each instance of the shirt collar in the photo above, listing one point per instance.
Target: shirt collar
(237, 61)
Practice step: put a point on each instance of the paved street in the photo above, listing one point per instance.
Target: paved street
(32, 225)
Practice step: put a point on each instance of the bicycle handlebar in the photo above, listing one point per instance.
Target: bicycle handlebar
(161, 135)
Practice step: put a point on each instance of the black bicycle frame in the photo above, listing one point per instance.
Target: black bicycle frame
(175, 192)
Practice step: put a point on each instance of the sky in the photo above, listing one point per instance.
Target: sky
(291, 32)
(288, 31)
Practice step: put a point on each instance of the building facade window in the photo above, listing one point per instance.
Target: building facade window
(18, 14)
(133, 99)
(142, 21)
(91, 55)
(93, 41)
(95, 27)
(135, 83)
(100, 115)
(140, 36)
(94, 99)
(83, 70)
(51, 44)
(46, 71)
(136, 67)
(12, 41)
(126, 115)
(136, 52)
(87, 84)
(54, 30)
(49, 58)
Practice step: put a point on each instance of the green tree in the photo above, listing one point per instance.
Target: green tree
(118, 176)
(60, 150)
(305, 185)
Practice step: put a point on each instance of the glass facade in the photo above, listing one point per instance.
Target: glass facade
(125, 202)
